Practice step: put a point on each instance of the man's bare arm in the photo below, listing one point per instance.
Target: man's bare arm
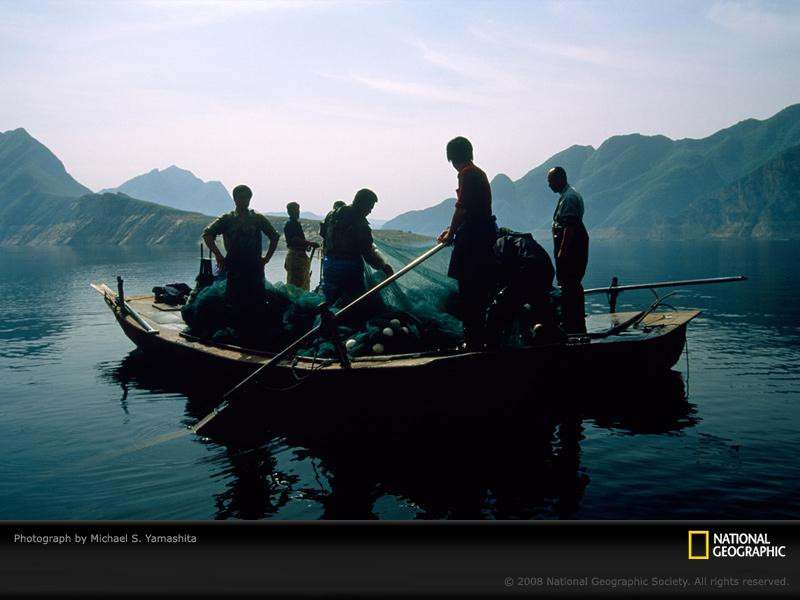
(458, 218)
(210, 240)
(273, 244)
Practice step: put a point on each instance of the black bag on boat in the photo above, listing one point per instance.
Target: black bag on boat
(173, 294)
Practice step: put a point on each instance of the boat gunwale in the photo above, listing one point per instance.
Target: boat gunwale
(649, 330)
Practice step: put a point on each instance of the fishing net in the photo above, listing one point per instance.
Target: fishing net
(416, 313)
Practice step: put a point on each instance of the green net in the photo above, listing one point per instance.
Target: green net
(416, 313)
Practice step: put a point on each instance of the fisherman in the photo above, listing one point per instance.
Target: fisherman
(323, 232)
(297, 263)
(242, 263)
(348, 239)
(571, 250)
(525, 278)
(323, 225)
(473, 232)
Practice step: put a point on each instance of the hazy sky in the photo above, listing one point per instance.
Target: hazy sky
(310, 101)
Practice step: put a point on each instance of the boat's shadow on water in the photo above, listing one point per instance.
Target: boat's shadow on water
(478, 453)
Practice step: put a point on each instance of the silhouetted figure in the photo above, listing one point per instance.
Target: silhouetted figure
(323, 225)
(297, 263)
(348, 243)
(571, 249)
(323, 233)
(473, 232)
(525, 277)
(242, 263)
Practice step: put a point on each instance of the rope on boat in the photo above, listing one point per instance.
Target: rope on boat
(686, 353)
(300, 379)
(658, 302)
(312, 370)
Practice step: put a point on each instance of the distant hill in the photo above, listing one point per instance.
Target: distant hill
(25, 164)
(303, 215)
(375, 223)
(40, 203)
(428, 221)
(95, 219)
(178, 188)
(641, 186)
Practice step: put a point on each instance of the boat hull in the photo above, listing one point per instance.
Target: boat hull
(653, 346)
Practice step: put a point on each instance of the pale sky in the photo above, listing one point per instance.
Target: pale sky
(310, 101)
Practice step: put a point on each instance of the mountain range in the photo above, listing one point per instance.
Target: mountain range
(739, 182)
(763, 204)
(42, 204)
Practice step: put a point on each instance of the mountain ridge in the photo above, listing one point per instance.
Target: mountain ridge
(26, 163)
(732, 211)
(633, 185)
(741, 181)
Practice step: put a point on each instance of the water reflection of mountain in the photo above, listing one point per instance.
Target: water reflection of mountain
(512, 455)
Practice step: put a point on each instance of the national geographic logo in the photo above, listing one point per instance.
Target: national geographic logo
(703, 545)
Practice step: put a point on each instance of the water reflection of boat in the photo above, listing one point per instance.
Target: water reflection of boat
(632, 342)
(501, 459)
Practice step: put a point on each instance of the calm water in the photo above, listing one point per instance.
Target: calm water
(81, 410)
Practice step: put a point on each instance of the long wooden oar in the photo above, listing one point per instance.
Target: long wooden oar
(660, 284)
(227, 397)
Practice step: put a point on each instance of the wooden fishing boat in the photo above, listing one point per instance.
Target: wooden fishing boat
(634, 342)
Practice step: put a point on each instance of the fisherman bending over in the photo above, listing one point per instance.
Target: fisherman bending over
(571, 249)
(348, 239)
(473, 232)
(242, 263)
(297, 263)
(525, 277)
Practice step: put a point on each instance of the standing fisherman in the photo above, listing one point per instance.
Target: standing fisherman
(323, 233)
(297, 263)
(571, 249)
(323, 225)
(243, 264)
(348, 240)
(473, 232)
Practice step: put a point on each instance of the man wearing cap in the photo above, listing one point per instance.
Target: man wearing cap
(242, 263)
(571, 249)
(297, 263)
(348, 244)
(473, 232)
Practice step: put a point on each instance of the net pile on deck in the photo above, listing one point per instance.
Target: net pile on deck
(417, 313)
